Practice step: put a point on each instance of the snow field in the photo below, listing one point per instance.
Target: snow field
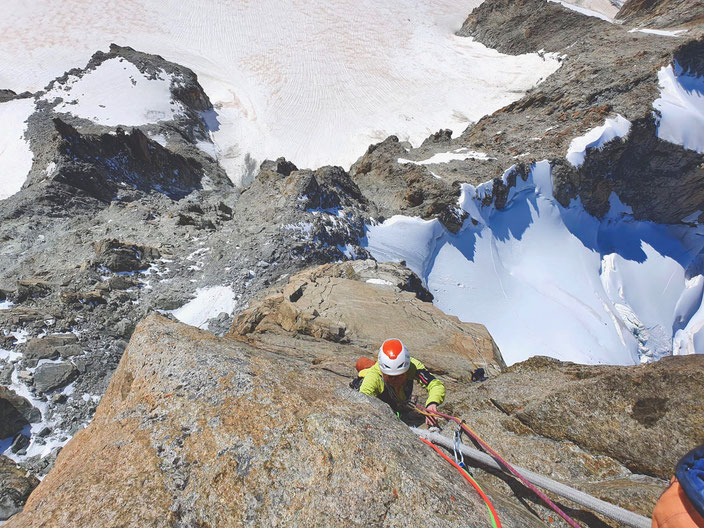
(548, 280)
(680, 108)
(15, 154)
(316, 83)
(117, 93)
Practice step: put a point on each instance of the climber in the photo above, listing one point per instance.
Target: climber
(391, 379)
(682, 504)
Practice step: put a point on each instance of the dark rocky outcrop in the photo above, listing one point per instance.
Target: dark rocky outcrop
(660, 181)
(15, 413)
(662, 13)
(6, 95)
(405, 188)
(15, 487)
(120, 256)
(528, 26)
(100, 165)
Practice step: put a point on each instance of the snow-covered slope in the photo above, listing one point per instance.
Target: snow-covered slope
(556, 281)
(116, 93)
(15, 154)
(314, 82)
(680, 108)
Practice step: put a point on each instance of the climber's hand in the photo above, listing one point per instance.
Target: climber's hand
(431, 421)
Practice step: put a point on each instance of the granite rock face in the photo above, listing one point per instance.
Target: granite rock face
(360, 304)
(261, 428)
(196, 430)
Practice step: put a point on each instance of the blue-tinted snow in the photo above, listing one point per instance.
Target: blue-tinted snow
(680, 108)
(550, 280)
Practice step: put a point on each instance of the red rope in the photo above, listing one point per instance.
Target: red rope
(508, 466)
(469, 479)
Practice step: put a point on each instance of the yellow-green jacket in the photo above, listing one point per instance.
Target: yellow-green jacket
(373, 385)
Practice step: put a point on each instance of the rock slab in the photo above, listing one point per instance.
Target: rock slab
(196, 430)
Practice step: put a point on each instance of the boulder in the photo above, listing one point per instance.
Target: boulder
(361, 304)
(50, 347)
(280, 166)
(196, 430)
(15, 413)
(19, 444)
(123, 256)
(52, 376)
(15, 487)
(32, 288)
(646, 416)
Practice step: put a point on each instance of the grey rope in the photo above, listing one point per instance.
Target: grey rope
(607, 509)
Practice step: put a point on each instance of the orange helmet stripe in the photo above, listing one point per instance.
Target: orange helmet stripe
(392, 348)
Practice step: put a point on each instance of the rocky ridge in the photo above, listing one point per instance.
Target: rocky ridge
(262, 428)
(112, 225)
(606, 70)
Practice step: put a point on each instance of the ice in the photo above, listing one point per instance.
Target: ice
(117, 93)
(681, 108)
(6, 305)
(553, 280)
(405, 238)
(316, 83)
(690, 339)
(208, 303)
(612, 128)
(445, 157)
(15, 155)
(661, 32)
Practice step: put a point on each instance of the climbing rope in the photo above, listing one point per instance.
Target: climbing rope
(497, 457)
(492, 512)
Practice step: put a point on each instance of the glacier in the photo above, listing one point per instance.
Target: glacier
(325, 82)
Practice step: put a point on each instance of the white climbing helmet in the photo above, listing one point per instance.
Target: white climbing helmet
(394, 358)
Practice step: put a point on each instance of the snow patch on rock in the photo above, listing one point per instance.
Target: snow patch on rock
(660, 32)
(592, 8)
(208, 303)
(460, 154)
(613, 128)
